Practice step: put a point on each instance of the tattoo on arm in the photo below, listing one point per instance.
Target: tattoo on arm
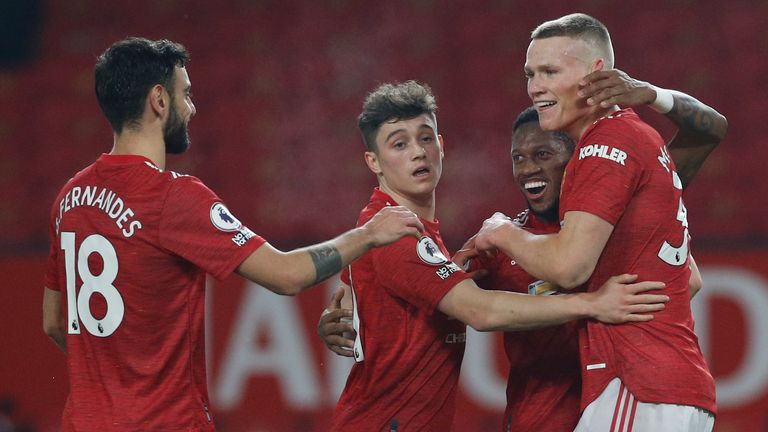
(327, 260)
(694, 117)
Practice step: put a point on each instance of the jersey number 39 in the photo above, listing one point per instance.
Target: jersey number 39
(78, 302)
(675, 255)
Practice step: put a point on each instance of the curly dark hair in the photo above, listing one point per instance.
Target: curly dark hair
(394, 102)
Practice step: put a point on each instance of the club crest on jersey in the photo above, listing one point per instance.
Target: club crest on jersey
(223, 219)
(428, 252)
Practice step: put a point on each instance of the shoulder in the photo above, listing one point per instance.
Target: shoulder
(370, 210)
(184, 182)
(623, 128)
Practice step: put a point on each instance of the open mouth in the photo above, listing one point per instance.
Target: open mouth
(535, 188)
(421, 172)
(545, 104)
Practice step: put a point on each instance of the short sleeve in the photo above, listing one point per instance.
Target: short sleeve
(196, 225)
(418, 277)
(491, 265)
(604, 175)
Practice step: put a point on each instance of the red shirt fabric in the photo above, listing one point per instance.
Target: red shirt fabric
(544, 384)
(622, 173)
(412, 352)
(130, 248)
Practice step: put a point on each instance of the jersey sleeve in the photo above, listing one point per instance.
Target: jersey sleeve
(405, 275)
(196, 225)
(489, 264)
(605, 174)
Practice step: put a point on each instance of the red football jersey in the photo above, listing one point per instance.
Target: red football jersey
(130, 247)
(622, 173)
(408, 353)
(544, 384)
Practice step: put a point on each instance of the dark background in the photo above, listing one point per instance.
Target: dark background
(278, 86)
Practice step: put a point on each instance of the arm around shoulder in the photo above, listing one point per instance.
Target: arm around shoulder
(620, 299)
(486, 310)
(289, 273)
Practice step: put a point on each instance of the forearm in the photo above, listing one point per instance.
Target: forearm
(330, 257)
(289, 273)
(547, 257)
(695, 118)
(700, 129)
(501, 310)
(59, 339)
(53, 321)
(513, 312)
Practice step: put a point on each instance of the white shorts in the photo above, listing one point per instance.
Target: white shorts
(617, 410)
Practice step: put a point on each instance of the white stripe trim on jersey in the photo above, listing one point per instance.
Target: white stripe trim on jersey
(359, 353)
(596, 366)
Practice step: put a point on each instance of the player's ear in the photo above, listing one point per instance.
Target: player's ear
(597, 65)
(442, 145)
(158, 100)
(372, 160)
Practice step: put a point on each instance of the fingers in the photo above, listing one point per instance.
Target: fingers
(336, 299)
(597, 81)
(478, 274)
(340, 345)
(645, 286)
(638, 318)
(392, 223)
(462, 256)
(623, 278)
(416, 223)
(334, 315)
(469, 244)
(645, 308)
(597, 76)
(501, 216)
(414, 227)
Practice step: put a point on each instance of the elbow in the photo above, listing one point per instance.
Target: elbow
(723, 122)
(572, 274)
(52, 329)
(289, 285)
(292, 283)
(694, 284)
(482, 322)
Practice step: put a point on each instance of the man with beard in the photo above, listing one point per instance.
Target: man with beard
(131, 245)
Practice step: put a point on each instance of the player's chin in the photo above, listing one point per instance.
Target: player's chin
(543, 207)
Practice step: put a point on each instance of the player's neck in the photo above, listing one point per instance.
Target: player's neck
(581, 126)
(423, 206)
(139, 143)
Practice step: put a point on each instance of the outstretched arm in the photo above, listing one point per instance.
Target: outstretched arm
(289, 273)
(700, 127)
(619, 300)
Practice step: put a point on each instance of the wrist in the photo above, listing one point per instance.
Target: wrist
(664, 100)
(366, 237)
(585, 308)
